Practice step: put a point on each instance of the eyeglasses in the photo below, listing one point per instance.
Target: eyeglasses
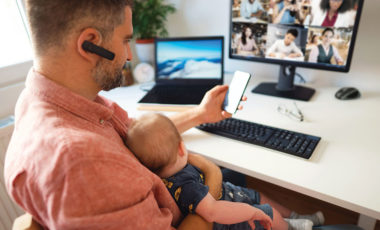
(295, 114)
(336, 0)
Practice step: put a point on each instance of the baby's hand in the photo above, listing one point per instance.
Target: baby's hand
(264, 220)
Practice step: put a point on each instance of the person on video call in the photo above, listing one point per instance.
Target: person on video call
(238, 207)
(251, 8)
(285, 48)
(287, 12)
(333, 13)
(324, 52)
(247, 44)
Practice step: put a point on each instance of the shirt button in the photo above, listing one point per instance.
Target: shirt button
(101, 121)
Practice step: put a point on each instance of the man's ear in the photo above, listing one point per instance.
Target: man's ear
(182, 149)
(92, 35)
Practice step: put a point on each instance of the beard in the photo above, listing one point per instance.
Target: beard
(107, 76)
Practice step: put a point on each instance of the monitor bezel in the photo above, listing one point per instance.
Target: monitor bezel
(192, 81)
(305, 64)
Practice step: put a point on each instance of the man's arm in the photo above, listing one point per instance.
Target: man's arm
(296, 50)
(226, 212)
(271, 51)
(259, 10)
(193, 221)
(257, 14)
(210, 110)
(213, 179)
(278, 17)
(90, 192)
(213, 174)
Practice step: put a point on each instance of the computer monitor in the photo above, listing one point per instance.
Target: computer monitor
(318, 34)
(183, 58)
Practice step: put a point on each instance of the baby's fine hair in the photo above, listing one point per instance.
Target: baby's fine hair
(154, 140)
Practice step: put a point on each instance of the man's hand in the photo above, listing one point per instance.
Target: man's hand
(210, 108)
(260, 216)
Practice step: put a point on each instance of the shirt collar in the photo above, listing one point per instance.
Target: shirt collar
(94, 111)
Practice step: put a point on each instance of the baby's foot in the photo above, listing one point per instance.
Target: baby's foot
(299, 224)
(317, 218)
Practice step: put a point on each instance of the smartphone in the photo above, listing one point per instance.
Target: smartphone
(235, 91)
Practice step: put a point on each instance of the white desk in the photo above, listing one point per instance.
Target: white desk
(344, 169)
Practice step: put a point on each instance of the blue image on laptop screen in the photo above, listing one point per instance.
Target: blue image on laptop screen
(195, 59)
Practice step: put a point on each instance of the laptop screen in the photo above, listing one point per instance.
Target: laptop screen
(189, 58)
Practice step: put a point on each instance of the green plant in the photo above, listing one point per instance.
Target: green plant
(149, 17)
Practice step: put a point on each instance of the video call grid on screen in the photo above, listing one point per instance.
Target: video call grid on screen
(266, 32)
(189, 59)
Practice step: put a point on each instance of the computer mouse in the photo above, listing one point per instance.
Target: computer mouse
(347, 93)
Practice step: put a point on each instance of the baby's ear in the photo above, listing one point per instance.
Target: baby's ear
(182, 149)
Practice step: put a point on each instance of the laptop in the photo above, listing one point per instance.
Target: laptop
(185, 69)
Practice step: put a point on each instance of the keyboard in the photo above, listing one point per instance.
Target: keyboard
(298, 144)
(169, 94)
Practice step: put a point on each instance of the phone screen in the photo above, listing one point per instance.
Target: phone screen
(235, 91)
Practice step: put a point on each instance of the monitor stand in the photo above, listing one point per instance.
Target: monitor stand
(285, 86)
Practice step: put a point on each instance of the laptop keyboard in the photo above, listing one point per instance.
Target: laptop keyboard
(169, 94)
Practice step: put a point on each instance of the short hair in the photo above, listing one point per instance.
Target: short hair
(154, 140)
(328, 29)
(293, 32)
(51, 22)
(346, 5)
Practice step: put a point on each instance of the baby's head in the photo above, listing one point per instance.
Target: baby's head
(155, 141)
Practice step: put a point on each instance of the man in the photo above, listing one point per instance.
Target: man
(67, 164)
(251, 8)
(285, 48)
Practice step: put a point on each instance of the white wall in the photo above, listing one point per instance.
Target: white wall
(11, 84)
(211, 17)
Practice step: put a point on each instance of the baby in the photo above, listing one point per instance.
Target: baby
(157, 144)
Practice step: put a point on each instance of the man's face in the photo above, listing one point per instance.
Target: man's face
(108, 74)
(251, 1)
(289, 38)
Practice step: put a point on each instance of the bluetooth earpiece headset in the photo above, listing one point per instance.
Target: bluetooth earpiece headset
(92, 48)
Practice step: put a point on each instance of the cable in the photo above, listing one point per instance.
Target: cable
(302, 79)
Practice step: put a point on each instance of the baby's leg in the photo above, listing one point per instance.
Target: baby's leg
(279, 212)
(278, 222)
(284, 211)
(281, 215)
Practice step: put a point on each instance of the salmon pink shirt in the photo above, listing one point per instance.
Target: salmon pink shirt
(68, 166)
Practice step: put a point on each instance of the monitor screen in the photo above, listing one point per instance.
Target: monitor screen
(189, 58)
(306, 33)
